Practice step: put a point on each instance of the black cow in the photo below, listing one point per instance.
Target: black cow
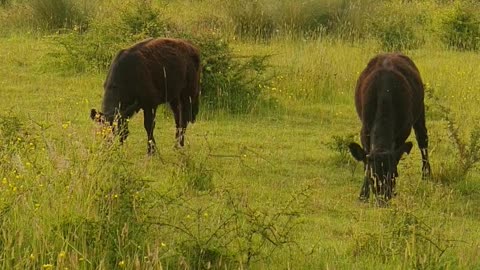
(389, 101)
(152, 72)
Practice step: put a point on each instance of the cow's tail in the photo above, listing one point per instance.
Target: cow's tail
(194, 96)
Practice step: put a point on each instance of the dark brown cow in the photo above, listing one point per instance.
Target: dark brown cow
(389, 101)
(152, 72)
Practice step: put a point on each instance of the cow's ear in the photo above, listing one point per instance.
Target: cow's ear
(404, 148)
(357, 152)
(93, 114)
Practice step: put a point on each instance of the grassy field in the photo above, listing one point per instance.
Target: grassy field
(271, 189)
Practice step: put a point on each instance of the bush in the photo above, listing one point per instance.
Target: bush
(461, 28)
(224, 229)
(397, 36)
(231, 83)
(468, 151)
(394, 24)
(57, 14)
(95, 49)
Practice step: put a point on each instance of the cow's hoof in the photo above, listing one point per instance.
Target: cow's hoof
(363, 198)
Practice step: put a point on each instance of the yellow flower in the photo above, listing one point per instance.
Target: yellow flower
(121, 264)
(61, 254)
(4, 181)
(32, 257)
(163, 244)
(47, 266)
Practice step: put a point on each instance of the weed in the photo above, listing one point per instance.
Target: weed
(339, 145)
(468, 152)
(229, 231)
(196, 174)
(404, 236)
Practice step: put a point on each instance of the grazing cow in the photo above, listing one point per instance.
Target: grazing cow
(389, 101)
(152, 72)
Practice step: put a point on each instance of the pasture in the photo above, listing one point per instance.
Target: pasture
(274, 188)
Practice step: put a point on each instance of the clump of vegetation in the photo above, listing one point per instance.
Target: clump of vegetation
(468, 151)
(196, 174)
(231, 83)
(262, 20)
(94, 49)
(403, 236)
(58, 14)
(461, 27)
(339, 145)
(230, 231)
(251, 19)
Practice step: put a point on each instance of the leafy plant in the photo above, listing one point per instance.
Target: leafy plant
(339, 145)
(468, 151)
(461, 27)
(230, 82)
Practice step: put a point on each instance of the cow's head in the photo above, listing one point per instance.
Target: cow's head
(117, 121)
(381, 167)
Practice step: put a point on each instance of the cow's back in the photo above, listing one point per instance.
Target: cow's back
(156, 71)
(398, 63)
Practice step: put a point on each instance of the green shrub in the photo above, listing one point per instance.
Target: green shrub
(225, 230)
(461, 27)
(394, 24)
(397, 36)
(467, 151)
(95, 49)
(57, 14)
(231, 83)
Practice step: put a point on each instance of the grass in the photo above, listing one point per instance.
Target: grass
(70, 199)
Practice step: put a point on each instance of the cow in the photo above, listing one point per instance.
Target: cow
(145, 75)
(389, 99)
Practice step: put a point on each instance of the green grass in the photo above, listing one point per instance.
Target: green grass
(71, 199)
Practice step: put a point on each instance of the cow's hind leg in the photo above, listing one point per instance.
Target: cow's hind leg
(181, 121)
(149, 124)
(422, 140)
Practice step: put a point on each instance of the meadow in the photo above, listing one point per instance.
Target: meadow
(265, 180)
